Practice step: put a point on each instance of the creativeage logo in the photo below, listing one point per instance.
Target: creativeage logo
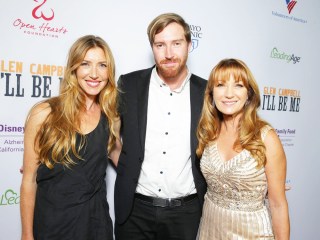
(290, 5)
(196, 35)
(42, 25)
(9, 197)
(275, 53)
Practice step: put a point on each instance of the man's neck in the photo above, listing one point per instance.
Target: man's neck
(176, 81)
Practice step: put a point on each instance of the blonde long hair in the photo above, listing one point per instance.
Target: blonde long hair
(56, 138)
(250, 124)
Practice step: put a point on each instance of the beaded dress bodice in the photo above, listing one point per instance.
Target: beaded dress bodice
(227, 180)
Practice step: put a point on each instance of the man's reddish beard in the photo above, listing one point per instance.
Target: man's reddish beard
(170, 72)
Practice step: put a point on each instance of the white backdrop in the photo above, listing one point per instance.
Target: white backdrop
(281, 48)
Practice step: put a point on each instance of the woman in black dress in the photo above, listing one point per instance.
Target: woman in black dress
(67, 141)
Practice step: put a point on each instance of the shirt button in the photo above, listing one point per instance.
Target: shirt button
(164, 152)
(170, 94)
(161, 172)
(169, 113)
(166, 133)
(159, 190)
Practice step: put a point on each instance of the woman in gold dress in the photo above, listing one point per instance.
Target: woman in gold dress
(243, 161)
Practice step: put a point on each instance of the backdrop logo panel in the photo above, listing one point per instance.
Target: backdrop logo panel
(37, 12)
(281, 99)
(13, 74)
(11, 146)
(4, 128)
(196, 35)
(290, 5)
(9, 197)
(281, 55)
(286, 136)
(9, 138)
(42, 22)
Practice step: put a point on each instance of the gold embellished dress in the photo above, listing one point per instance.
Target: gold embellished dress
(235, 203)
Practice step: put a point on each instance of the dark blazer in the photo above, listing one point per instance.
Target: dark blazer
(133, 105)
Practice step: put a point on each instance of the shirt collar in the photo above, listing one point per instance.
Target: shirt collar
(160, 82)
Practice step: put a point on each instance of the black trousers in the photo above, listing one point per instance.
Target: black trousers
(148, 222)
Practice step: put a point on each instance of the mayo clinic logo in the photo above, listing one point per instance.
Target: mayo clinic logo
(196, 35)
(290, 5)
(42, 25)
(9, 197)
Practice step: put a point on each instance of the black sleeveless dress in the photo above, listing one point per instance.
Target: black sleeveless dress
(71, 203)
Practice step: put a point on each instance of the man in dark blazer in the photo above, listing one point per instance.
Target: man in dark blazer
(159, 188)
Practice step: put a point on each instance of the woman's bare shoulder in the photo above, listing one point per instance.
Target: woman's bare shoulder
(38, 113)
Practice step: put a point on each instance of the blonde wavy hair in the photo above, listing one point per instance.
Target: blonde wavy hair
(250, 124)
(56, 139)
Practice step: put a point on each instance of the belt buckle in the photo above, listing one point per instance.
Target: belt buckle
(159, 202)
(174, 203)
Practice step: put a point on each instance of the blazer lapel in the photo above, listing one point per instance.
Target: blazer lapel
(143, 83)
(196, 99)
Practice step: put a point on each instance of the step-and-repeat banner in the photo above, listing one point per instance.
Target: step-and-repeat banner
(278, 39)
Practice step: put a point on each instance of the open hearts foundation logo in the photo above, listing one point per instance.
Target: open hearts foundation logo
(38, 13)
(43, 24)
